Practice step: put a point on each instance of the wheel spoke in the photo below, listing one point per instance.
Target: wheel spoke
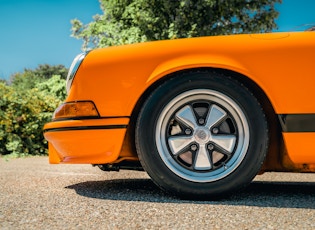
(216, 114)
(179, 143)
(226, 142)
(203, 161)
(187, 117)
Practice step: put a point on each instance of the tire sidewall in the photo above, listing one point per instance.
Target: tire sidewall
(147, 147)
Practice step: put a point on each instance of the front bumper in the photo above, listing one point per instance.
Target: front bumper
(91, 141)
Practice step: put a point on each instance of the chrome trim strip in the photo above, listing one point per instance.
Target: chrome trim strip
(74, 68)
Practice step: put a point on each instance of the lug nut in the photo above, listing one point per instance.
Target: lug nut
(215, 130)
(187, 131)
(201, 121)
(193, 147)
(210, 146)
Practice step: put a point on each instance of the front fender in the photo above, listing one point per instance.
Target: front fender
(195, 61)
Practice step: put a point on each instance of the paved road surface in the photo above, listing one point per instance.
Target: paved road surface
(36, 195)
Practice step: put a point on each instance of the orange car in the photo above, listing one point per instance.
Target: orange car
(202, 116)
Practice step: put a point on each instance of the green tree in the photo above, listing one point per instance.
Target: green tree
(46, 71)
(130, 21)
(29, 77)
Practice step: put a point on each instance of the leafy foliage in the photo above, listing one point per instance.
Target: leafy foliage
(23, 114)
(55, 86)
(130, 21)
(26, 105)
(30, 78)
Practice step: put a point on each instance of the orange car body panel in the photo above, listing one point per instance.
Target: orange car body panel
(93, 146)
(301, 147)
(281, 64)
(275, 63)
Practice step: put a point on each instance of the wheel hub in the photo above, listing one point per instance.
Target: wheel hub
(202, 135)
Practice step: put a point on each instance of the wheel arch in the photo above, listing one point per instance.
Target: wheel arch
(273, 159)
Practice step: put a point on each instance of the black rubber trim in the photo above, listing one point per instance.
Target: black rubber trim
(76, 128)
(87, 118)
(297, 122)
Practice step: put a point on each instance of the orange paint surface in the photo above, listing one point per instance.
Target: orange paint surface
(90, 146)
(300, 147)
(281, 64)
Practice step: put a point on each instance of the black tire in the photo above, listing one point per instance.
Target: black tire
(201, 135)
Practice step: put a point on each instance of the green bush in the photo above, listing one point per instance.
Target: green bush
(23, 114)
(55, 87)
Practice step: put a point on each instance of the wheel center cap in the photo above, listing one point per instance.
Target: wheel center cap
(202, 135)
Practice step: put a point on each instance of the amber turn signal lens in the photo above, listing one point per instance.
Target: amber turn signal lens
(75, 110)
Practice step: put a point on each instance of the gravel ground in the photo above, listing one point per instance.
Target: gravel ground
(36, 195)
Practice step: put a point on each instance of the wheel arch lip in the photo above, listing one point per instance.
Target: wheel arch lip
(215, 62)
(175, 66)
(187, 62)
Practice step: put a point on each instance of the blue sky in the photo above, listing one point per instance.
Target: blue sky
(34, 32)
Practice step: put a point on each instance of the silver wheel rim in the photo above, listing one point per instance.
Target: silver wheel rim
(202, 135)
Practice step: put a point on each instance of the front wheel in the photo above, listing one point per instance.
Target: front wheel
(201, 135)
